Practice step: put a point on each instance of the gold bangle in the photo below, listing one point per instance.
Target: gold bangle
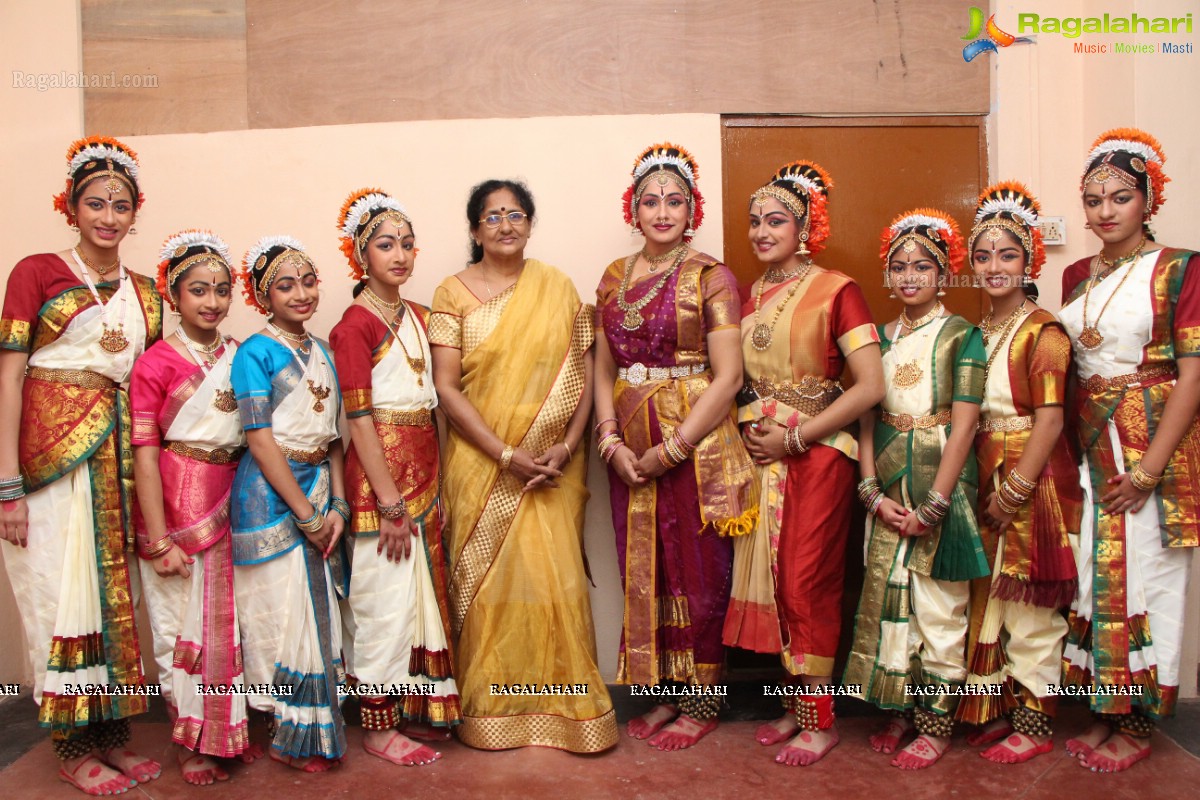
(1021, 482)
(158, 547)
(506, 457)
(1143, 480)
(569, 453)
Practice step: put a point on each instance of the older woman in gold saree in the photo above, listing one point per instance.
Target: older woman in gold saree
(512, 365)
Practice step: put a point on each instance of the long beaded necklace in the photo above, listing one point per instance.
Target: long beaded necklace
(204, 355)
(657, 261)
(318, 392)
(1003, 329)
(1090, 337)
(909, 373)
(417, 365)
(760, 336)
(112, 340)
(633, 317)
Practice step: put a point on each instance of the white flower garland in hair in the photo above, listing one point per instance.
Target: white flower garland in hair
(194, 238)
(1007, 205)
(664, 159)
(810, 186)
(368, 202)
(267, 242)
(1142, 149)
(100, 152)
(913, 220)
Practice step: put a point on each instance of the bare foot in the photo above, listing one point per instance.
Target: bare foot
(887, 739)
(252, 753)
(425, 732)
(397, 748)
(1082, 745)
(92, 776)
(808, 748)
(305, 764)
(1118, 752)
(1018, 748)
(199, 769)
(994, 731)
(923, 752)
(778, 731)
(133, 766)
(651, 722)
(682, 733)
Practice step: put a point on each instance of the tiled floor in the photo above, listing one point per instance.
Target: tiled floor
(728, 763)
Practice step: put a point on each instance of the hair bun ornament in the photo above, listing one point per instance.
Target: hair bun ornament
(174, 252)
(929, 227)
(1145, 156)
(262, 259)
(361, 213)
(665, 156)
(1010, 205)
(808, 181)
(100, 155)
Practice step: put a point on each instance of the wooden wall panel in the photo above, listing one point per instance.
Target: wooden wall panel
(327, 62)
(192, 51)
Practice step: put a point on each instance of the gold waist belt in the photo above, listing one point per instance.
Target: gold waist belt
(810, 395)
(305, 456)
(907, 422)
(1006, 424)
(419, 418)
(639, 373)
(78, 377)
(217, 456)
(1155, 373)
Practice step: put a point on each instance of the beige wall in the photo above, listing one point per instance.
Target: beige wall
(1047, 102)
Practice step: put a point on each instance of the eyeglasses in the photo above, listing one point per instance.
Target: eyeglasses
(514, 218)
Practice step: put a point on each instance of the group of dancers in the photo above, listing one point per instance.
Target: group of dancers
(1031, 483)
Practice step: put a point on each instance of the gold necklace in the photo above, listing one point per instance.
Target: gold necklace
(417, 365)
(776, 275)
(656, 261)
(488, 286)
(379, 301)
(302, 341)
(913, 324)
(1004, 329)
(101, 271)
(633, 318)
(760, 336)
(1090, 337)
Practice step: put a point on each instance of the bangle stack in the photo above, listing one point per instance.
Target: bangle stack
(933, 510)
(793, 441)
(158, 548)
(1014, 492)
(11, 489)
(506, 456)
(310, 525)
(340, 505)
(675, 450)
(870, 492)
(608, 445)
(1141, 479)
(395, 511)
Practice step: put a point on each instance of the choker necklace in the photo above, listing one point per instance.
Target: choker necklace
(913, 324)
(101, 271)
(776, 275)
(195, 347)
(380, 302)
(301, 340)
(760, 335)
(1090, 337)
(657, 261)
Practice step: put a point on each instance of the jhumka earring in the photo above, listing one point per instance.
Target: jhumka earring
(802, 250)
(1087, 226)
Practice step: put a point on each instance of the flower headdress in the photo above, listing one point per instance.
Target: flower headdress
(1009, 206)
(263, 261)
(934, 230)
(98, 157)
(187, 249)
(802, 186)
(362, 213)
(1132, 158)
(665, 163)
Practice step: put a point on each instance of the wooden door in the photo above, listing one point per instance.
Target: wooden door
(880, 166)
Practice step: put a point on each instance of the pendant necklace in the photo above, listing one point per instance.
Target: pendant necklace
(318, 392)
(112, 340)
